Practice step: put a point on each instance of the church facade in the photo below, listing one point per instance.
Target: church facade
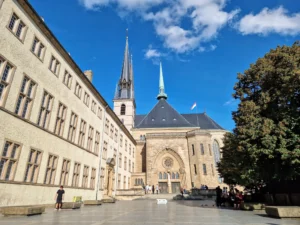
(173, 150)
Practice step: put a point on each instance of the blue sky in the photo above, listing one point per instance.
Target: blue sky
(202, 44)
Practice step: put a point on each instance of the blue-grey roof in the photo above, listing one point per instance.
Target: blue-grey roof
(163, 115)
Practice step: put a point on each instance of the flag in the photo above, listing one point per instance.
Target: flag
(193, 106)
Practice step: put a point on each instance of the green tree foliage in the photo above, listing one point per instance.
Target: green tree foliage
(265, 144)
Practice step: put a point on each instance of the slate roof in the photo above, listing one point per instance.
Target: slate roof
(163, 115)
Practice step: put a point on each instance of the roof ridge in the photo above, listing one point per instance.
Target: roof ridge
(212, 121)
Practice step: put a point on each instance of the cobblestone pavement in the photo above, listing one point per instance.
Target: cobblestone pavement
(148, 212)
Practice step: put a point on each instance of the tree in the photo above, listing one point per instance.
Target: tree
(265, 144)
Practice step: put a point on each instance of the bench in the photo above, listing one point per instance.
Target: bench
(162, 201)
(108, 200)
(71, 205)
(283, 211)
(92, 202)
(23, 210)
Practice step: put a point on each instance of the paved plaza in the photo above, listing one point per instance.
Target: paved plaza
(148, 212)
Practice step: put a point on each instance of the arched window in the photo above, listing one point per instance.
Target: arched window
(160, 176)
(177, 175)
(165, 176)
(123, 109)
(216, 151)
(141, 137)
(173, 175)
(136, 182)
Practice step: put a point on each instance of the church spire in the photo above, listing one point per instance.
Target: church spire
(125, 87)
(162, 94)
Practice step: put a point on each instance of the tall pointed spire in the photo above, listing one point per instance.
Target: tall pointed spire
(162, 94)
(125, 84)
(131, 78)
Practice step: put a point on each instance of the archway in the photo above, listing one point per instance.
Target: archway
(110, 164)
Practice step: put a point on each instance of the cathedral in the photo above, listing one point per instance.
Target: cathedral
(173, 150)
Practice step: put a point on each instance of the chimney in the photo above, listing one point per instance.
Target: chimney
(89, 74)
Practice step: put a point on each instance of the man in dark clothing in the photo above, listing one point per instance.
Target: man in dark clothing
(153, 189)
(219, 195)
(59, 198)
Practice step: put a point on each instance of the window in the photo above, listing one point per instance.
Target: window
(121, 140)
(133, 167)
(64, 177)
(17, 27)
(86, 99)
(126, 145)
(6, 72)
(116, 135)
(195, 169)
(115, 155)
(25, 99)
(193, 150)
(82, 133)
(202, 149)
(165, 175)
(78, 90)
(99, 114)
(97, 142)
(67, 79)
(72, 127)
(216, 150)
(111, 131)
(133, 152)
(177, 175)
(104, 154)
(129, 166)
(90, 138)
(209, 149)
(212, 170)
(129, 149)
(124, 182)
(102, 174)
(125, 163)
(106, 126)
(160, 175)
(173, 175)
(54, 65)
(128, 182)
(38, 48)
(8, 160)
(93, 178)
(60, 119)
(33, 166)
(51, 170)
(85, 176)
(76, 173)
(120, 160)
(123, 109)
(94, 106)
(204, 169)
(119, 181)
(45, 111)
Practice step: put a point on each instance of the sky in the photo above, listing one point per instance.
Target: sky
(202, 45)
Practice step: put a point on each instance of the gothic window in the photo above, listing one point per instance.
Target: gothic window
(160, 176)
(173, 175)
(165, 176)
(123, 109)
(216, 151)
(177, 175)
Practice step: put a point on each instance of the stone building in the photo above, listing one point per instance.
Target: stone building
(55, 127)
(173, 150)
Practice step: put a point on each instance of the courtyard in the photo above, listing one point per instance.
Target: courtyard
(146, 211)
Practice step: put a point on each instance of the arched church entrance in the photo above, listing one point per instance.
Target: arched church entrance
(168, 171)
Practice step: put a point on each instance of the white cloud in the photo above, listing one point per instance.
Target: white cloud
(270, 21)
(152, 53)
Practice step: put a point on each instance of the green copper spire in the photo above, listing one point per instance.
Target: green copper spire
(162, 93)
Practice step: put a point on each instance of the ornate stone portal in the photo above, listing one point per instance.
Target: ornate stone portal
(109, 184)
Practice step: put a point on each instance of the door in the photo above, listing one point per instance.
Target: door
(175, 187)
(163, 187)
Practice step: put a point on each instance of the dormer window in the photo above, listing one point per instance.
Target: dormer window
(163, 119)
(152, 119)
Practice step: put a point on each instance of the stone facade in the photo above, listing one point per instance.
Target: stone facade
(56, 128)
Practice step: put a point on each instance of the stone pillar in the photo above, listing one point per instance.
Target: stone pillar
(88, 74)
(169, 183)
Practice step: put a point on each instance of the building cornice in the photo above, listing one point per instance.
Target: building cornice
(64, 54)
(166, 135)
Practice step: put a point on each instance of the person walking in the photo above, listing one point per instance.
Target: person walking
(157, 189)
(59, 197)
(219, 195)
(153, 189)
